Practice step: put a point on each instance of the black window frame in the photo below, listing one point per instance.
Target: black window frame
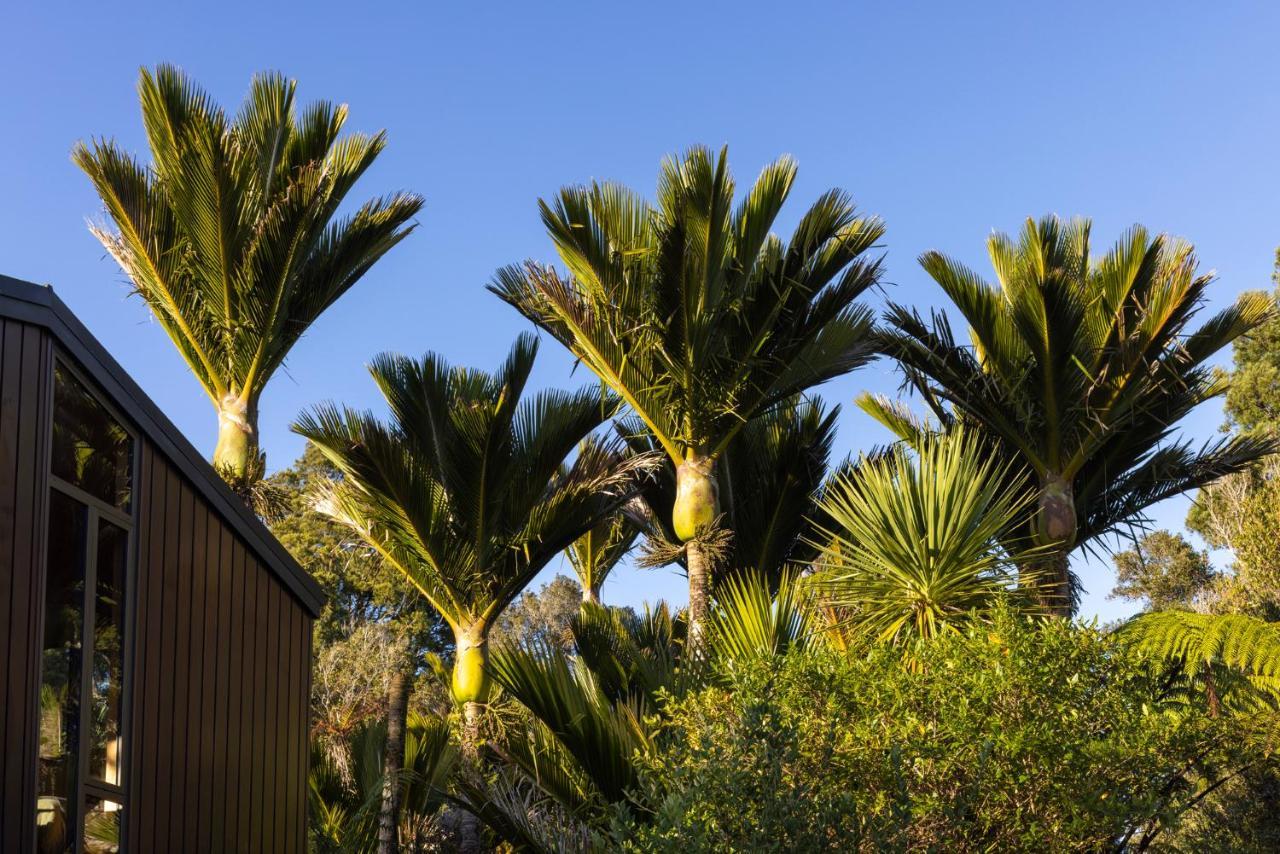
(127, 520)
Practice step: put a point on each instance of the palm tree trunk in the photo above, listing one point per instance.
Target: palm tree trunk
(697, 507)
(590, 595)
(393, 763)
(467, 825)
(471, 690)
(237, 450)
(471, 733)
(1056, 526)
(698, 563)
(1055, 586)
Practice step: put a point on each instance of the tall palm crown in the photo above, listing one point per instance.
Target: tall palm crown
(466, 490)
(1080, 368)
(232, 233)
(696, 314)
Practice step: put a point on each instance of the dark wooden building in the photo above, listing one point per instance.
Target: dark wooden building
(155, 643)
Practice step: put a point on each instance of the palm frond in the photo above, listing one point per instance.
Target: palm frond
(604, 737)
(689, 309)
(467, 490)
(752, 622)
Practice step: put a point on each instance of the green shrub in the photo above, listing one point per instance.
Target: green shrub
(1014, 735)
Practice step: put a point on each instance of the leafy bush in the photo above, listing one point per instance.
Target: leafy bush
(1014, 735)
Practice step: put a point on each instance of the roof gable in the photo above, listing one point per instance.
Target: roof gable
(39, 306)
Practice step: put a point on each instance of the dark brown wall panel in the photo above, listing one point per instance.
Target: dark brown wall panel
(219, 633)
(25, 371)
(221, 670)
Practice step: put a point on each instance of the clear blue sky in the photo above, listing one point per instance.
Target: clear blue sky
(949, 120)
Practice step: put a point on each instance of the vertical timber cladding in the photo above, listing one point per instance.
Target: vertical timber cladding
(220, 681)
(26, 367)
(217, 621)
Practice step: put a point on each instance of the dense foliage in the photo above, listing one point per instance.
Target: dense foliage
(1014, 735)
(1163, 570)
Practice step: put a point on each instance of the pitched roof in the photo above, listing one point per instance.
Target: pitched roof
(39, 306)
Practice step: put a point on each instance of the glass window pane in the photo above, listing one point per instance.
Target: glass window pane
(105, 748)
(60, 673)
(101, 825)
(90, 448)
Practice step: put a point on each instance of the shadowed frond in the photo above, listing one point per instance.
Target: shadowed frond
(603, 736)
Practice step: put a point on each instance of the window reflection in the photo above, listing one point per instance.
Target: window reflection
(80, 792)
(60, 673)
(90, 448)
(108, 656)
(101, 825)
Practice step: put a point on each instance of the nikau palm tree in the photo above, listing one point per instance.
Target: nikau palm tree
(773, 474)
(1079, 370)
(697, 316)
(467, 490)
(595, 554)
(231, 235)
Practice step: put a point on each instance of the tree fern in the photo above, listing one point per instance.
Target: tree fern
(1243, 643)
(1233, 658)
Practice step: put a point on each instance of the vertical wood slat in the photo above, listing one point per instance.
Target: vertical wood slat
(227, 629)
(304, 763)
(163, 819)
(286, 840)
(11, 764)
(25, 365)
(138, 639)
(245, 698)
(180, 674)
(207, 662)
(235, 696)
(298, 735)
(271, 725)
(193, 716)
(262, 622)
(147, 671)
